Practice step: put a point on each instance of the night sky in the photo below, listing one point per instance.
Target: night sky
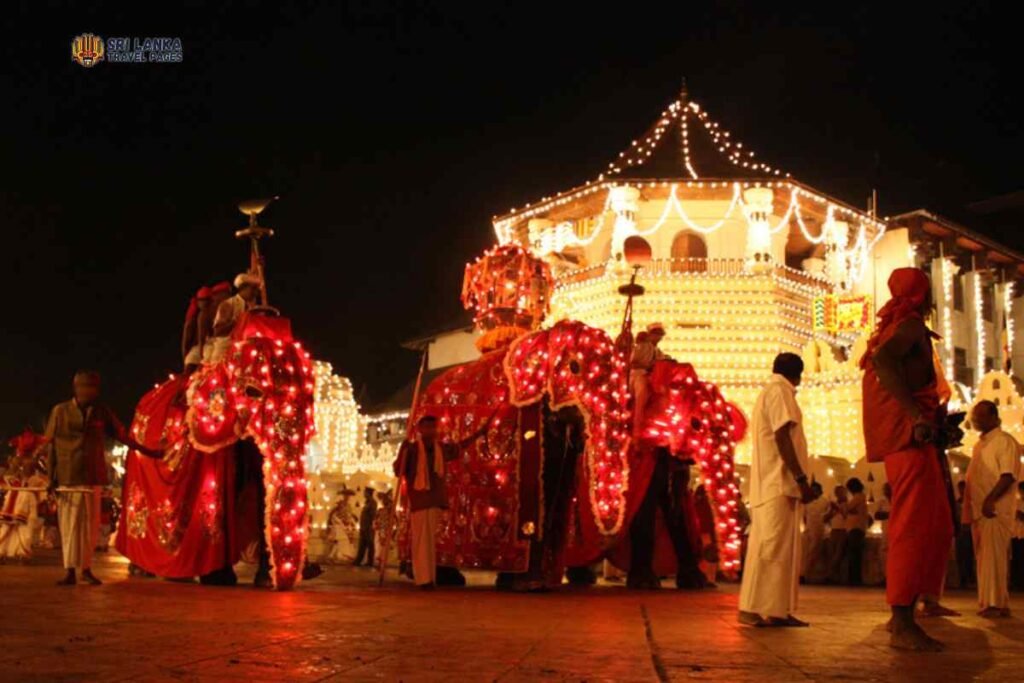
(393, 131)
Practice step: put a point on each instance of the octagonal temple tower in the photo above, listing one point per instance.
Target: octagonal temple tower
(747, 262)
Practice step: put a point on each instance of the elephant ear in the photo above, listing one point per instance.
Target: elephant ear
(527, 368)
(212, 416)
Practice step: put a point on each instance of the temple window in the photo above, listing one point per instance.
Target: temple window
(689, 252)
(958, 293)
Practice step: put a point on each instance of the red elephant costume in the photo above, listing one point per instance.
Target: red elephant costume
(503, 491)
(186, 515)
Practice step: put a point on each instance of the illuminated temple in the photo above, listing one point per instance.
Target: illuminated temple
(748, 262)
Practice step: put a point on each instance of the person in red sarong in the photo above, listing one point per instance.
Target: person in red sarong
(903, 409)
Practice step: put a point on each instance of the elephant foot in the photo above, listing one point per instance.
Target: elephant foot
(450, 576)
(520, 583)
(225, 576)
(311, 570)
(581, 576)
(643, 581)
(263, 579)
(691, 580)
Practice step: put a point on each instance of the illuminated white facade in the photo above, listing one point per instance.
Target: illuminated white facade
(741, 257)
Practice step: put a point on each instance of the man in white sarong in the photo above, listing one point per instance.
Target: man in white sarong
(778, 490)
(228, 313)
(814, 560)
(76, 432)
(992, 507)
(421, 462)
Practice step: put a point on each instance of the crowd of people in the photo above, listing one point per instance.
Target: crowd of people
(796, 532)
(905, 429)
(67, 468)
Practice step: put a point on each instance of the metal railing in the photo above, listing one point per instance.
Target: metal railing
(707, 267)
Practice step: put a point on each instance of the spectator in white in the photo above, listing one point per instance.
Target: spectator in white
(645, 355)
(814, 535)
(778, 490)
(992, 507)
(836, 518)
(229, 312)
(857, 522)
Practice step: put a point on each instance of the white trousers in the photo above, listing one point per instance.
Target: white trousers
(423, 529)
(78, 517)
(992, 539)
(771, 575)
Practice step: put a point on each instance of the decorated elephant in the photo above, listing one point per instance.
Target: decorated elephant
(557, 476)
(234, 435)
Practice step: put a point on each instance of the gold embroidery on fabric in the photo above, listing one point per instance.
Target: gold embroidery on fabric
(138, 513)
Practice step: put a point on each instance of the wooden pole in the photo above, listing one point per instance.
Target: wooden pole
(392, 513)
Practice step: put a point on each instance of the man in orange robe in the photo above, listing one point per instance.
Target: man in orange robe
(903, 410)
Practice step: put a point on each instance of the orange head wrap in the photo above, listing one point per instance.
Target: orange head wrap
(909, 288)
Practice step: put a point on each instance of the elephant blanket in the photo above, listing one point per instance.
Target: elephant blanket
(190, 513)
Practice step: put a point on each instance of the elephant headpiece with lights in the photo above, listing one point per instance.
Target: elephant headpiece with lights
(557, 473)
(185, 515)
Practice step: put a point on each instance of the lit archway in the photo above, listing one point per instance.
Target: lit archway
(689, 253)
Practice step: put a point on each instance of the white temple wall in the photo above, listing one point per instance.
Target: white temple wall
(891, 252)
(453, 348)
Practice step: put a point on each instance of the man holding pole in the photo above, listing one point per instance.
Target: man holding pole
(77, 464)
(421, 463)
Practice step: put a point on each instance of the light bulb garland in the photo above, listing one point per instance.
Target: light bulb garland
(692, 420)
(577, 365)
(264, 390)
(678, 113)
(338, 423)
(949, 271)
(979, 330)
(1008, 317)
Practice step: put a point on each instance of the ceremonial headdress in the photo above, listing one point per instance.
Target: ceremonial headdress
(193, 308)
(909, 288)
(656, 327)
(220, 288)
(247, 279)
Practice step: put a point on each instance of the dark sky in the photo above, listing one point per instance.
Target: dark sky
(393, 131)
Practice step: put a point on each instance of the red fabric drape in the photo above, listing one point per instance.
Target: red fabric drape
(920, 525)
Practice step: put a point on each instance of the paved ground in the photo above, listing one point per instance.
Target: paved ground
(340, 627)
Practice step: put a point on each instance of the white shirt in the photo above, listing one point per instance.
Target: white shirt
(882, 506)
(856, 513)
(995, 454)
(814, 516)
(229, 311)
(775, 407)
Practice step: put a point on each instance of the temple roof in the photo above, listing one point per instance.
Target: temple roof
(685, 142)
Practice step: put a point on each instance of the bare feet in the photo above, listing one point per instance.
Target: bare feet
(934, 609)
(69, 579)
(913, 638)
(88, 577)
(994, 613)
